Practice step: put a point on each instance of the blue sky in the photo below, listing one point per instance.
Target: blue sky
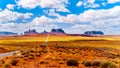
(74, 16)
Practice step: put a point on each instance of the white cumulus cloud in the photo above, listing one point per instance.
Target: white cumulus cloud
(113, 1)
(102, 17)
(7, 15)
(79, 3)
(88, 4)
(0, 9)
(10, 6)
(43, 20)
(71, 18)
(59, 5)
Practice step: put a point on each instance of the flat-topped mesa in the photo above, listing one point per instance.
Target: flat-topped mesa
(57, 31)
(93, 33)
(30, 32)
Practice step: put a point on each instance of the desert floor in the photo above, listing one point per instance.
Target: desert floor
(61, 52)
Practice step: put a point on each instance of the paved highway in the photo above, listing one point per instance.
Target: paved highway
(8, 54)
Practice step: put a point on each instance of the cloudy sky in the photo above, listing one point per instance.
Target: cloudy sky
(74, 16)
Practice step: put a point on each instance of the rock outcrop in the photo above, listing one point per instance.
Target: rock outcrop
(57, 31)
(93, 33)
(44, 32)
(30, 32)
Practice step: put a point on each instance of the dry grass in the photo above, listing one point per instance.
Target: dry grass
(18, 43)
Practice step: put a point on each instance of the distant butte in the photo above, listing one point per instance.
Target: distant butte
(57, 31)
(93, 33)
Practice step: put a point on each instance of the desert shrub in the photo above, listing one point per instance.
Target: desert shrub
(44, 62)
(56, 46)
(96, 63)
(31, 51)
(25, 59)
(31, 57)
(22, 53)
(14, 61)
(14, 53)
(88, 63)
(7, 65)
(31, 54)
(25, 54)
(108, 64)
(64, 59)
(118, 55)
(83, 62)
(2, 62)
(72, 62)
(38, 54)
(61, 62)
(44, 51)
(67, 51)
(49, 58)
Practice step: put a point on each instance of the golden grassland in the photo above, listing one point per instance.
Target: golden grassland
(24, 42)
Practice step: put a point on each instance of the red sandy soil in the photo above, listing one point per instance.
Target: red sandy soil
(56, 57)
(2, 50)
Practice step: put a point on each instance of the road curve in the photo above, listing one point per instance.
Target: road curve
(12, 53)
(8, 54)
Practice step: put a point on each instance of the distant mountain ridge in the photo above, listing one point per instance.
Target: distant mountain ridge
(58, 31)
(4, 33)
